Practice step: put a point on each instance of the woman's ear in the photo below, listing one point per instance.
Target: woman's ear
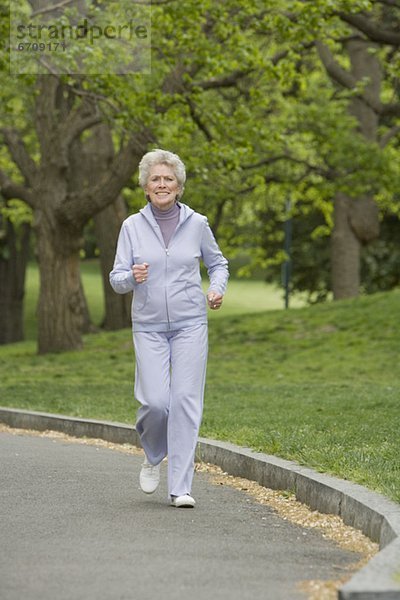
(148, 198)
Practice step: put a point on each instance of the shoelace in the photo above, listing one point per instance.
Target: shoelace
(152, 469)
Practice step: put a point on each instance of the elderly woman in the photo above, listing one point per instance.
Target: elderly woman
(158, 257)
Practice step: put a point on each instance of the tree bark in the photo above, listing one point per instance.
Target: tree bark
(99, 153)
(107, 225)
(60, 307)
(345, 252)
(356, 220)
(14, 254)
(75, 180)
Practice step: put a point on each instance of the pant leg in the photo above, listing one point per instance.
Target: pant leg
(189, 349)
(152, 390)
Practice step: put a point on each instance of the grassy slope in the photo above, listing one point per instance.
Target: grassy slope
(320, 385)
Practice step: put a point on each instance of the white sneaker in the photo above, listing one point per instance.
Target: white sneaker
(185, 501)
(149, 477)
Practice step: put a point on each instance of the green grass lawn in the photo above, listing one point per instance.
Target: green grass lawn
(320, 385)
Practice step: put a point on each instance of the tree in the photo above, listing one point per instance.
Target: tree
(60, 209)
(15, 230)
(65, 109)
(89, 157)
(358, 46)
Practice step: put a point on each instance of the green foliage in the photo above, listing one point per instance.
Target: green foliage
(237, 89)
(16, 211)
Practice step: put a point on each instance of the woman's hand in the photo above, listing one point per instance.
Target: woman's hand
(140, 272)
(214, 300)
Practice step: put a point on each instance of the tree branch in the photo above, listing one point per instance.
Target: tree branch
(370, 29)
(344, 78)
(20, 154)
(196, 119)
(390, 110)
(85, 117)
(216, 222)
(11, 190)
(327, 173)
(80, 207)
(266, 161)
(391, 133)
(333, 68)
(47, 9)
(94, 97)
(152, 2)
(389, 3)
(223, 82)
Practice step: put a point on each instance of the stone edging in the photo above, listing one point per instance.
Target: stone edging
(376, 516)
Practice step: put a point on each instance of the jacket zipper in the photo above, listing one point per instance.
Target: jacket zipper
(166, 274)
(165, 289)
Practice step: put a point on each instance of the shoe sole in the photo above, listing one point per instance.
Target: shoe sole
(147, 491)
(183, 504)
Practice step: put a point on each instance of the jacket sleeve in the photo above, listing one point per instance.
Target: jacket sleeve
(215, 262)
(121, 277)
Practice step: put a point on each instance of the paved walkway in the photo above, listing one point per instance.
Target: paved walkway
(74, 525)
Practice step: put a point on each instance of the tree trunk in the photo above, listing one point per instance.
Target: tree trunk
(107, 225)
(99, 152)
(75, 181)
(346, 248)
(356, 220)
(60, 308)
(13, 262)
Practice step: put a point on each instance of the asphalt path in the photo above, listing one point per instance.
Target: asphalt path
(75, 525)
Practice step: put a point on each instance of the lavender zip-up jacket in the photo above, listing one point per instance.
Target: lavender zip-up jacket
(172, 297)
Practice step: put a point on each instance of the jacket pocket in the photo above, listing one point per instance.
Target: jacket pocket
(150, 306)
(194, 294)
(140, 297)
(185, 302)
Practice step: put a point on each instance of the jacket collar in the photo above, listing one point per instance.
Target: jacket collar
(184, 213)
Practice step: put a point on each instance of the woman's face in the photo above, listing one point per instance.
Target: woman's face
(162, 186)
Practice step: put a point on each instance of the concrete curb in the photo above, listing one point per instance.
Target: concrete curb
(376, 516)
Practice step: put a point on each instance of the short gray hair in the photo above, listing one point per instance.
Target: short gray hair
(161, 157)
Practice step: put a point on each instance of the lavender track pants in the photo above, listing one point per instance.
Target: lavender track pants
(169, 384)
